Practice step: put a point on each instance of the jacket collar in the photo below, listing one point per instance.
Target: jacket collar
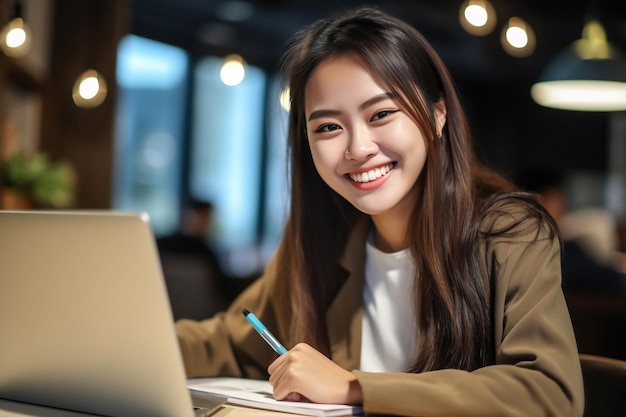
(345, 313)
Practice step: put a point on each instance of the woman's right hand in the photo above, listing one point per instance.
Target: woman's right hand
(305, 371)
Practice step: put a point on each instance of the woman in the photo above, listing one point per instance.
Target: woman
(410, 279)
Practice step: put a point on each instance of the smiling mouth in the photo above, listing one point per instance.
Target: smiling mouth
(372, 174)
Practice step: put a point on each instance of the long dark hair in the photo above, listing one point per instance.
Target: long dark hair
(452, 289)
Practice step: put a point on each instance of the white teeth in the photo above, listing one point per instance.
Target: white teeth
(372, 174)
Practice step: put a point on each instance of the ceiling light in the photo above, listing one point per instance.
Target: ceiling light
(590, 75)
(477, 17)
(89, 90)
(518, 38)
(233, 70)
(16, 35)
(285, 99)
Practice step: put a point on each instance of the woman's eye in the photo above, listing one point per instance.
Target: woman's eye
(382, 114)
(327, 128)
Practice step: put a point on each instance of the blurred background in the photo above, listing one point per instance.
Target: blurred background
(152, 105)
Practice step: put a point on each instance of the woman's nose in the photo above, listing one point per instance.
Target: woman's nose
(361, 144)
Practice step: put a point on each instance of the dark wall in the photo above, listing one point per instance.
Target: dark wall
(85, 35)
(510, 129)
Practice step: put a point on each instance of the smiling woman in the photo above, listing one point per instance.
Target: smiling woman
(407, 270)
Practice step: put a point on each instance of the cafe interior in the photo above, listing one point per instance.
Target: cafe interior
(145, 105)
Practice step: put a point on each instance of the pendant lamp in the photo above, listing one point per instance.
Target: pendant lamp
(16, 36)
(590, 75)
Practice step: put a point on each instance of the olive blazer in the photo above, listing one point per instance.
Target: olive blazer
(536, 372)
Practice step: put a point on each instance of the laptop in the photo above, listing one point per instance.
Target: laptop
(85, 320)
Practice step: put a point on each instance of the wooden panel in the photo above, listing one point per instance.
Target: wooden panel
(85, 35)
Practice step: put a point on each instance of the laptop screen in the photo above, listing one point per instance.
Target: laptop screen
(85, 321)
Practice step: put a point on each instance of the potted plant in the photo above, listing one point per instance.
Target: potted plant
(33, 181)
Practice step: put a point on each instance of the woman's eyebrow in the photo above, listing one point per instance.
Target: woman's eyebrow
(317, 114)
(367, 103)
(376, 99)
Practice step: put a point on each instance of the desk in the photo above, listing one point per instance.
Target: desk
(15, 409)
(236, 411)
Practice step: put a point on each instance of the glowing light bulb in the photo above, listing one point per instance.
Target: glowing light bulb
(518, 38)
(16, 38)
(477, 17)
(233, 71)
(90, 89)
(285, 100)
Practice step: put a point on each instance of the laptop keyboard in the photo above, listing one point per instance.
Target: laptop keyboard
(206, 405)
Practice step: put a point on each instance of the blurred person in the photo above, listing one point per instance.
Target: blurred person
(590, 260)
(197, 284)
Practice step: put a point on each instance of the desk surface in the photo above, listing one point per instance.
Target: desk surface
(236, 411)
(15, 409)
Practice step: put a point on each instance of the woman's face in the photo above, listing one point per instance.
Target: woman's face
(347, 109)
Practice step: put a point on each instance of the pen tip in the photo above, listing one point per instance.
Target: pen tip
(245, 312)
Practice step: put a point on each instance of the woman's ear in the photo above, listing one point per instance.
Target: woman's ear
(440, 116)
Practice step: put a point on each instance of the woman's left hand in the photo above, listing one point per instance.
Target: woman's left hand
(305, 371)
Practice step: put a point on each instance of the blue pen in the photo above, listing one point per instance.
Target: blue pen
(265, 334)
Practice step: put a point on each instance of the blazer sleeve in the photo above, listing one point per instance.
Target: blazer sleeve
(537, 369)
(226, 344)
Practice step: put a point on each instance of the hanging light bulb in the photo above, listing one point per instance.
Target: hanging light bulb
(590, 75)
(90, 89)
(477, 17)
(233, 70)
(16, 37)
(285, 99)
(518, 38)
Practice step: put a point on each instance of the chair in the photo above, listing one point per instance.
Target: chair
(194, 290)
(605, 386)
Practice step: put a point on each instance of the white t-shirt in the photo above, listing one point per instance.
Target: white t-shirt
(389, 318)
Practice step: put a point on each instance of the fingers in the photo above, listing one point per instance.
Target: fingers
(285, 373)
(305, 374)
(293, 396)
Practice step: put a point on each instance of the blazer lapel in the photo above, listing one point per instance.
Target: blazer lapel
(345, 313)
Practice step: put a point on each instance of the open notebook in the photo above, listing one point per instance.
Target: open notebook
(85, 322)
(258, 394)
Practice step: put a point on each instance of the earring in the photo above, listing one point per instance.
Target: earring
(439, 134)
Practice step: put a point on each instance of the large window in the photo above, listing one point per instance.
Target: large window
(226, 144)
(277, 179)
(235, 145)
(152, 79)
(238, 162)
